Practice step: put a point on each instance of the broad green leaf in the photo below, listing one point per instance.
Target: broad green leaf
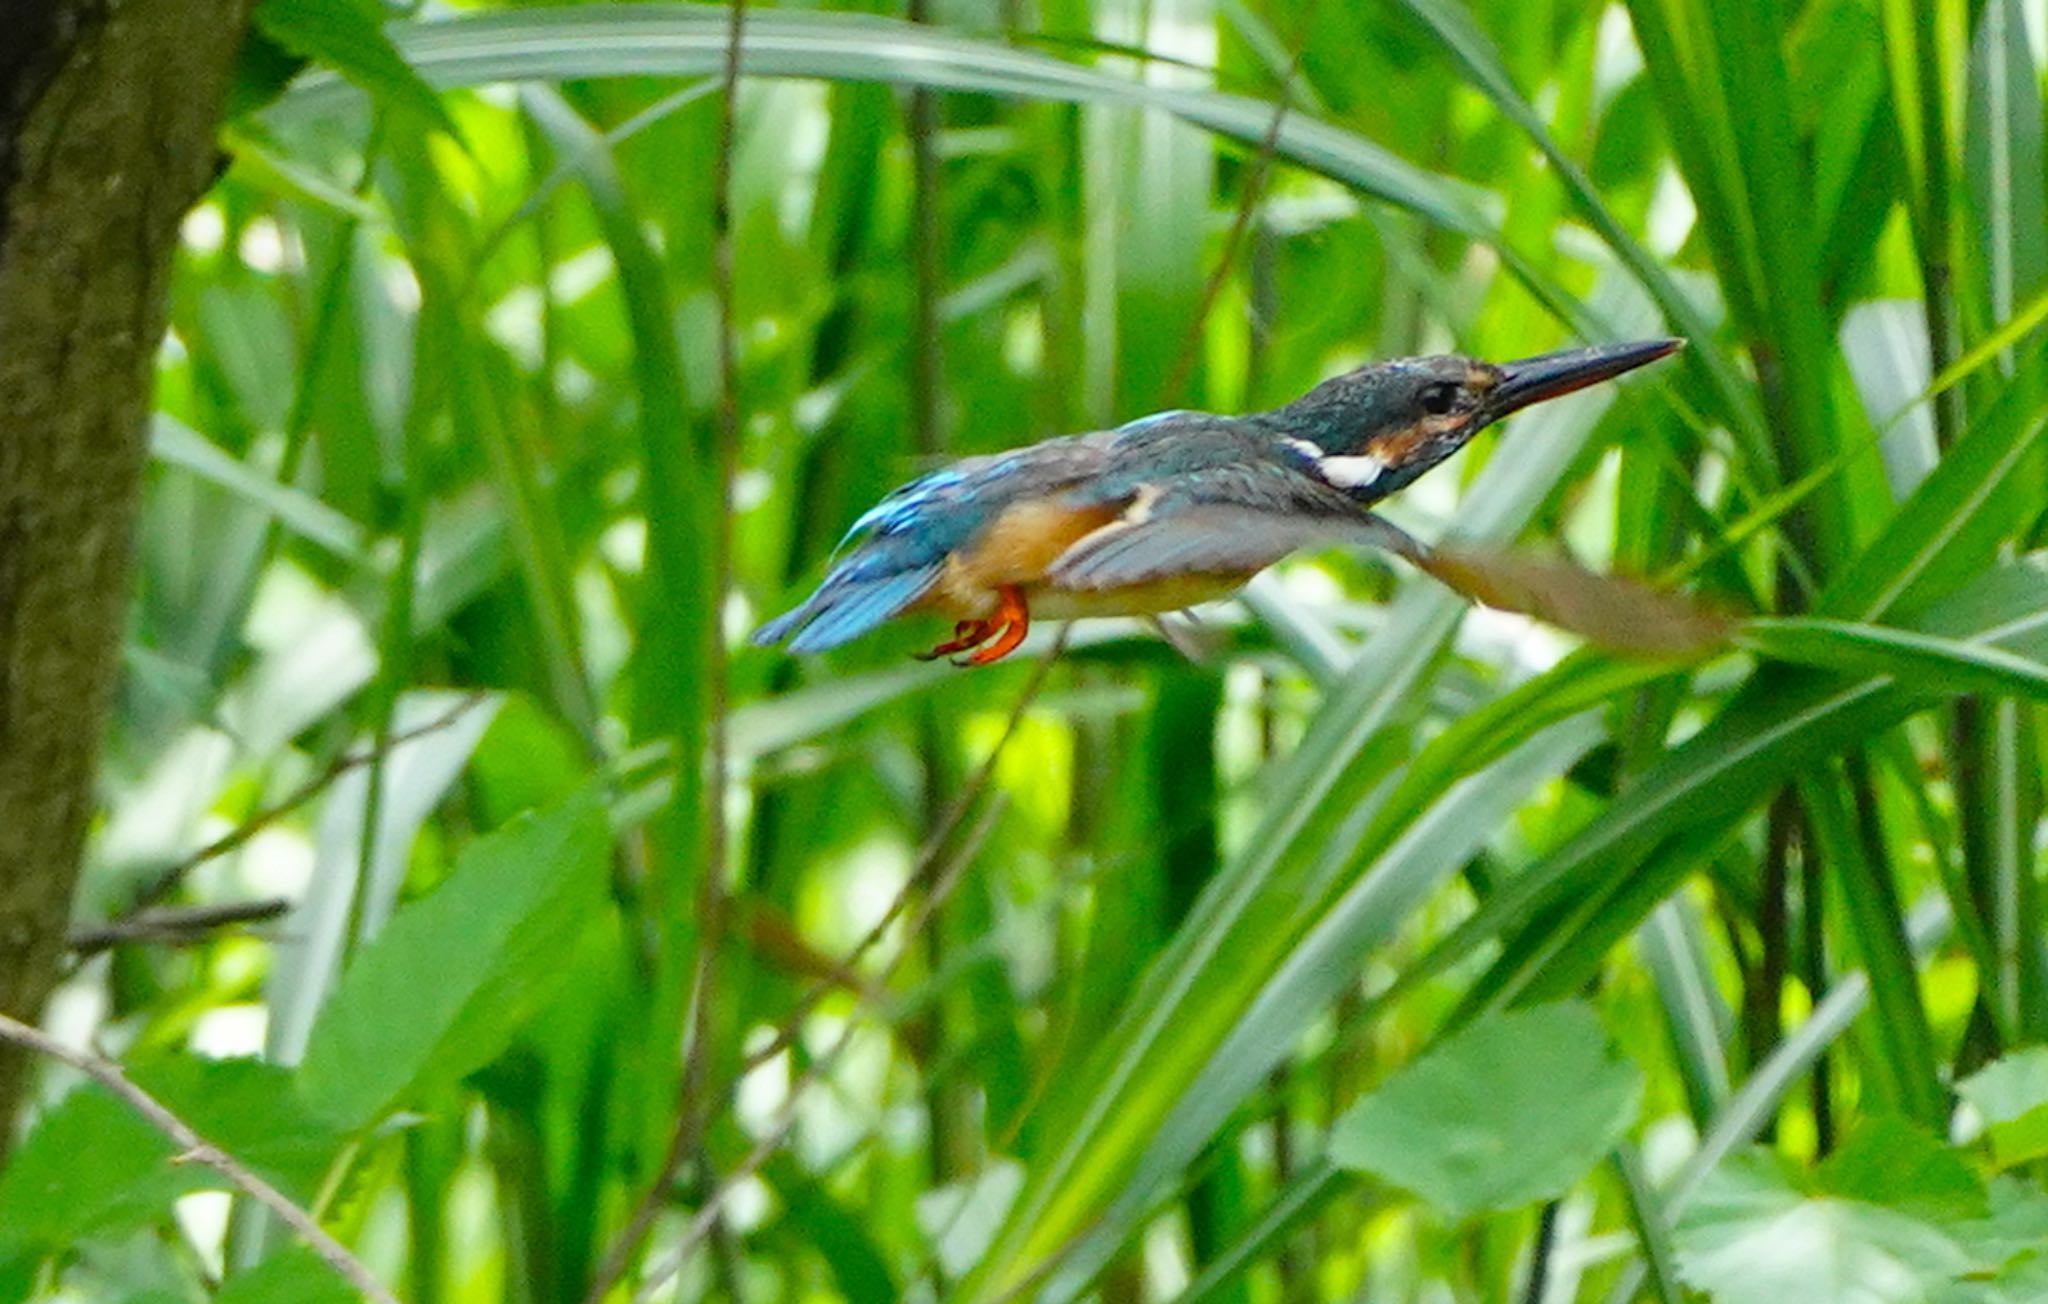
(2009, 1246)
(290, 1276)
(251, 1109)
(1891, 1162)
(93, 1166)
(2012, 1095)
(1753, 1237)
(2024, 1280)
(1511, 1110)
(525, 760)
(1755, 1104)
(453, 977)
(348, 36)
(417, 776)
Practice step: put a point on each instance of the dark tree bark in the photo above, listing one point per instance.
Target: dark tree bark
(108, 110)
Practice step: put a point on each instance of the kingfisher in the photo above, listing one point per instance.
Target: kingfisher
(1176, 508)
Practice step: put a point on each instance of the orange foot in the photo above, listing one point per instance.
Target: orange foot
(1007, 628)
(967, 634)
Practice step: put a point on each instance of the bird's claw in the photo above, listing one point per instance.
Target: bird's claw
(1007, 628)
(967, 635)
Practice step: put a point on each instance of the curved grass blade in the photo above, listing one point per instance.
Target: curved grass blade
(1952, 524)
(1607, 878)
(1954, 665)
(687, 41)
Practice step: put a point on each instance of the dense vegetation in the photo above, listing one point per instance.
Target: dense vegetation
(1399, 951)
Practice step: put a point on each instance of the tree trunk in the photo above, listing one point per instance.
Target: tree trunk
(107, 117)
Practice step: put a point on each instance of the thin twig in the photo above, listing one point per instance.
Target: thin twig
(167, 881)
(197, 1149)
(921, 874)
(712, 900)
(941, 887)
(693, 1105)
(175, 926)
(705, 1220)
(927, 859)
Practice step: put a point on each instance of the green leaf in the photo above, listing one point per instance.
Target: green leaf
(348, 36)
(1513, 1109)
(292, 1276)
(1752, 1237)
(2024, 322)
(1469, 45)
(251, 1109)
(453, 977)
(2002, 154)
(1756, 1237)
(2008, 1245)
(2012, 1095)
(276, 171)
(1889, 1161)
(93, 1166)
(263, 70)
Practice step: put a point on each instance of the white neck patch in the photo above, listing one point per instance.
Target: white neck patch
(1351, 472)
(1354, 472)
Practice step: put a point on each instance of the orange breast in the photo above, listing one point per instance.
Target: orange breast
(1017, 548)
(1021, 546)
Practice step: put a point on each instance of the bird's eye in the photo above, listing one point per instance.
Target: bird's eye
(1439, 399)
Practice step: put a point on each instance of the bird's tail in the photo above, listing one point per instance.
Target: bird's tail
(847, 605)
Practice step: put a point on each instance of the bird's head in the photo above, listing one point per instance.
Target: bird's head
(1376, 429)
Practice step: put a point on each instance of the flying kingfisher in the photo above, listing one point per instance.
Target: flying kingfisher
(1175, 508)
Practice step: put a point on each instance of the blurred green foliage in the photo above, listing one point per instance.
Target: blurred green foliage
(433, 623)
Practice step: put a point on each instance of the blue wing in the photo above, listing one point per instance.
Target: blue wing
(896, 550)
(846, 606)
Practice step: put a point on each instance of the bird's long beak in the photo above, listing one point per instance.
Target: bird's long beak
(1532, 380)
